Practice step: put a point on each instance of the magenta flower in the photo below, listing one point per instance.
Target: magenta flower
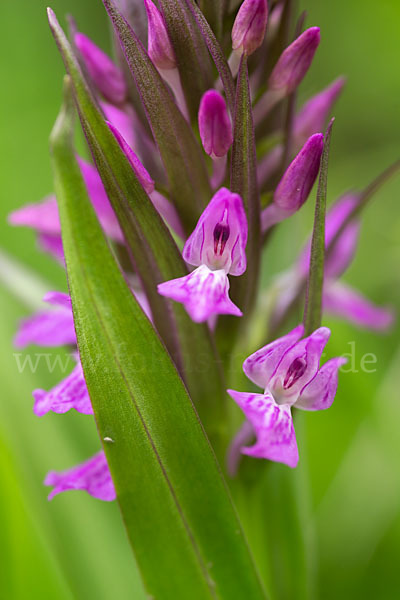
(216, 247)
(215, 125)
(296, 183)
(294, 62)
(106, 76)
(249, 27)
(93, 476)
(288, 370)
(71, 392)
(48, 327)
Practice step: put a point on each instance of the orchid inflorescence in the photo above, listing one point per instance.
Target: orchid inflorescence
(221, 238)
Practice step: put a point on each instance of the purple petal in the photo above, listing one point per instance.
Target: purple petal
(71, 392)
(273, 426)
(93, 476)
(48, 327)
(295, 61)
(214, 124)
(249, 27)
(342, 301)
(220, 237)
(107, 77)
(320, 392)
(260, 366)
(141, 173)
(203, 293)
(42, 216)
(159, 45)
(298, 366)
(58, 299)
(339, 259)
(298, 179)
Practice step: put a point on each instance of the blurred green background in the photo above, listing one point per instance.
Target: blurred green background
(75, 547)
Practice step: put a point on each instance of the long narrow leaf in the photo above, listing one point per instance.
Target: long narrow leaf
(173, 500)
(313, 306)
(180, 152)
(155, 255)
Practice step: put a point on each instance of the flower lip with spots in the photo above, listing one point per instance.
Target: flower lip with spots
(288, 370)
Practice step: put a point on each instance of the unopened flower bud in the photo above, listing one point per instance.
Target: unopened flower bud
(215, 124)
(299, 177)
(159, 45)
(249, 26)
(106, 76)
(296, 183)
(294, 62)
(313, 115)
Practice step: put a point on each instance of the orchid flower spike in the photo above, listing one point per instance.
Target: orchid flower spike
(294, 62)
(93, 476)
(215, 125)
(249, 27)
(106, 76)
(159, 45)
(216, 247)
(288, 370)
(296, 183)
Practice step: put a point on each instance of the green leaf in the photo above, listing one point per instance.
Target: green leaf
(180, 152)
(194, 64)
(176, 510)
(155, 255)
(216, 52)
(313, 306)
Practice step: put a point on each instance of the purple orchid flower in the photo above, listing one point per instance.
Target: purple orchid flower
(93, 476)
(70, 393)
(216, 247)
(288, 370)
(48, 327)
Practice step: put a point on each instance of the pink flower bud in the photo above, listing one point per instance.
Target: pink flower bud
(159, 45)
(107, 77)
(313, 115)
(214, 124)
(296, 183)
(299, 177)
(294, 62)
(249, 26)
